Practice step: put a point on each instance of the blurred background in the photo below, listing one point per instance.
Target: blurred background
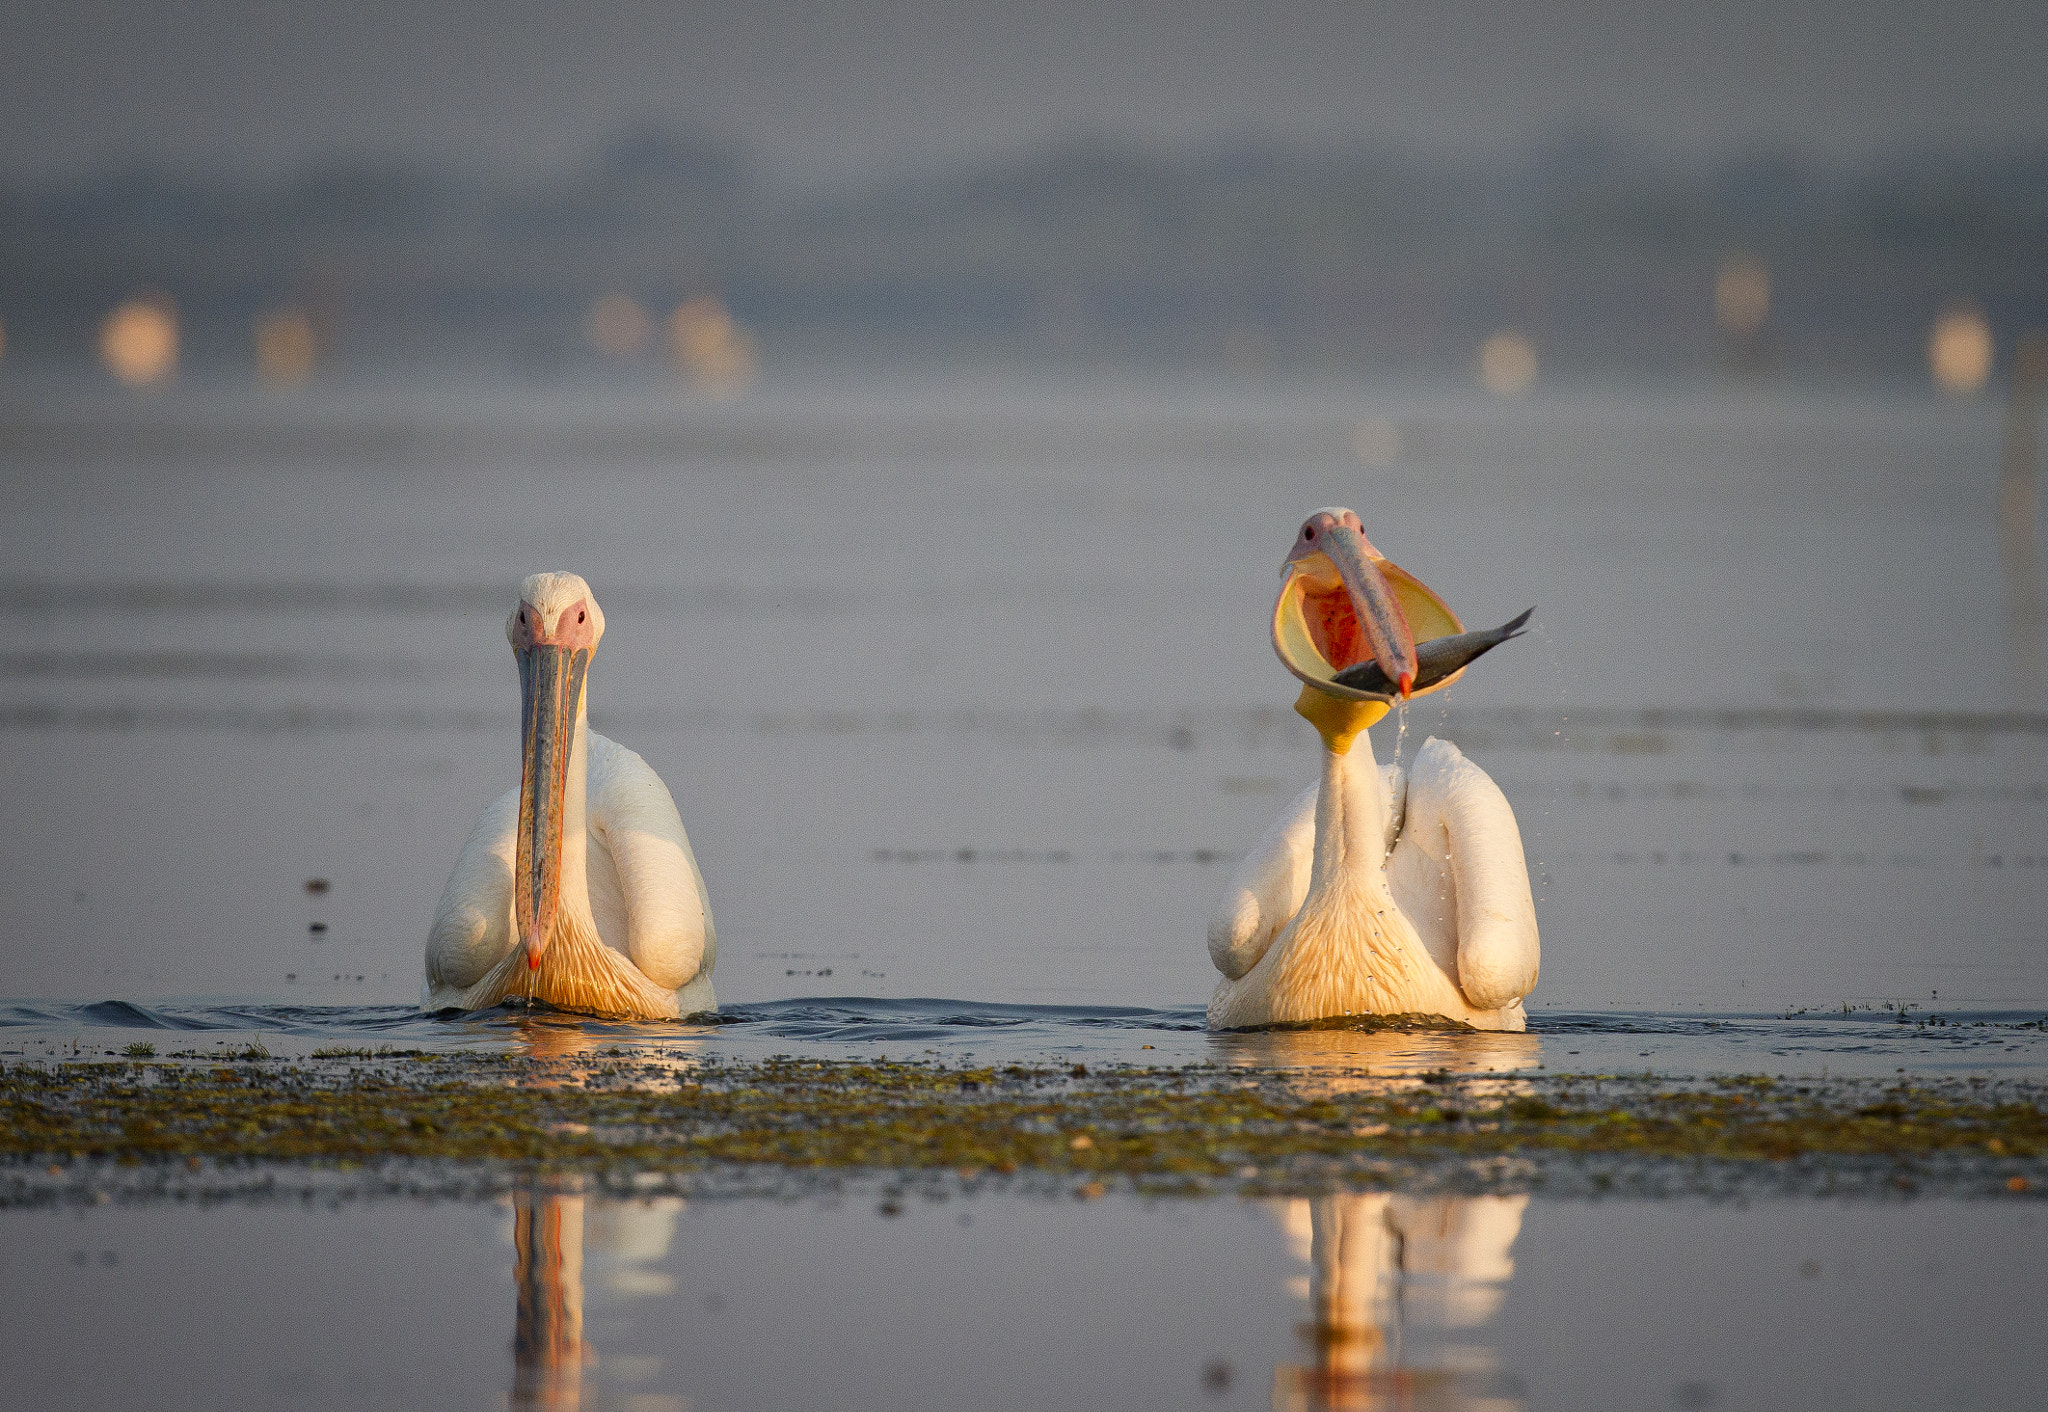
(930, 393)
(223, 190)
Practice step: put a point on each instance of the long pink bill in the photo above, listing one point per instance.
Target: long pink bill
(1379, 612)
(550, 689)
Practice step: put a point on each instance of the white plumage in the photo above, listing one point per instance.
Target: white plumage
(632, 934)
(1423, 905)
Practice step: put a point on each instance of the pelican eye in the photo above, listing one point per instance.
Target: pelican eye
(579, 617)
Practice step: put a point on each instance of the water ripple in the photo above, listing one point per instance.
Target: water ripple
(2007, 1043)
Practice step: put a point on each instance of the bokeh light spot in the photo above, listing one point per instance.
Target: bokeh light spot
(1959, 350)
(1507, 364)
(139, 341)
(617, 327)
(1742, 296)
(715, 352)
(285, 347)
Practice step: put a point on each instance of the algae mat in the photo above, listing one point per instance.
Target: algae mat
(646, 1121)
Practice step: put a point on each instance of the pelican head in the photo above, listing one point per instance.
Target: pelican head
(1343, 605)
(554, 632)
(1350, 608)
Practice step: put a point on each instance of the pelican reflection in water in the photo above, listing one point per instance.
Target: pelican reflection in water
(555, 1227)
(1397, 1288)
(551, 1233)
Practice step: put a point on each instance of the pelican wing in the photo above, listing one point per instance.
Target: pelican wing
(1459, 876)
(472, 928)
(667, 916)
(1269, 885)
(1266, 891)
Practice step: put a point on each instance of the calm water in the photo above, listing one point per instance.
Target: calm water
(963, 686)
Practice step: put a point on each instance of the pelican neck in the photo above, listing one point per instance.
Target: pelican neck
(1351, 819)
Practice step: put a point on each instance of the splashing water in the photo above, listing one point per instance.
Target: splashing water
(1400, 729)
(1558, 674)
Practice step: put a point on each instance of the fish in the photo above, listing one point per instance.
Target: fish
(1435, 659)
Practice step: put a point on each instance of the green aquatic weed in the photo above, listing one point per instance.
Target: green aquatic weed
(1154, 1126)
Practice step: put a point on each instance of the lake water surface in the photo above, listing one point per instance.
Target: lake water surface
(963, 687)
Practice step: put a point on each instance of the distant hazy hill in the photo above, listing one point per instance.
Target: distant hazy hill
(1607, 259)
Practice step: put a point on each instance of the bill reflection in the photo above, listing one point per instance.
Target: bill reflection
(549, 1353)
(1399, 1292)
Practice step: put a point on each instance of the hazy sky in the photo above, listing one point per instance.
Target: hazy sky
(838, 91)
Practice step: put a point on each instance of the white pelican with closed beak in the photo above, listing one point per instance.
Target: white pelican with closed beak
(1380, 892)
(578, 888)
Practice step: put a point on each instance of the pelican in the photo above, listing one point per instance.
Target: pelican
(577, 888)
(1378, 892)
